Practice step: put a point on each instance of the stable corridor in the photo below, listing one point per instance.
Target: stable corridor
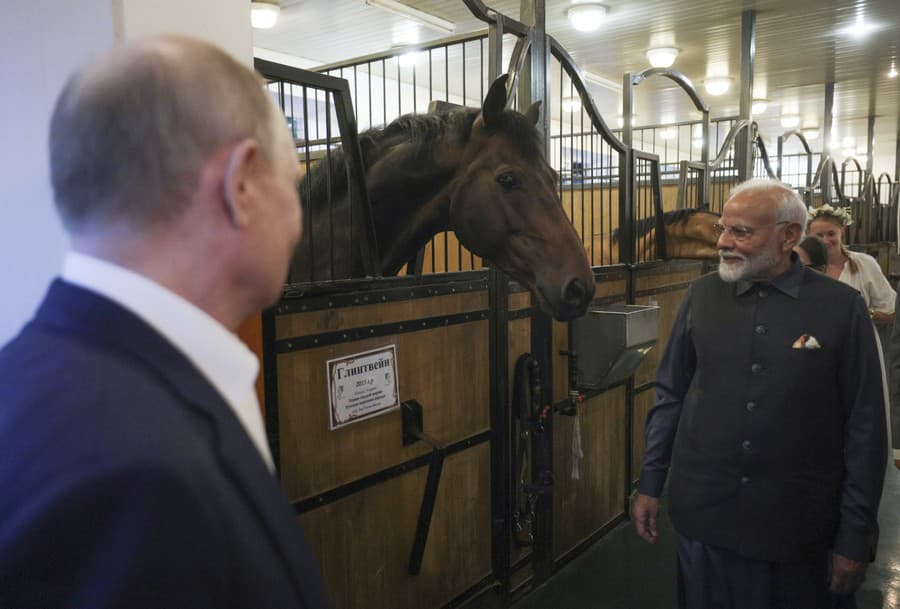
(623, 572)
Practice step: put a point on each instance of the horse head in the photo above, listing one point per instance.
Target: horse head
(505, 208)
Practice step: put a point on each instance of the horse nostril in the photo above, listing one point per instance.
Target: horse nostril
(575, 292)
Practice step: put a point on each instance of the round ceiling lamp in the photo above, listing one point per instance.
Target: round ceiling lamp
(586, 16)
(620, 120)
(670, 133)
(790, 121)
(264, 15)
(810, 133)
(759, 105)
(717, 85)
(571, 104)
(662, 57)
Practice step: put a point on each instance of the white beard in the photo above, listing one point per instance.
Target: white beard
(749, 267)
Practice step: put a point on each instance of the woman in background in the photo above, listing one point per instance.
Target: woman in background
(853, 268)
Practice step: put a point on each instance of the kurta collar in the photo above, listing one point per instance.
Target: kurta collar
(788, 282)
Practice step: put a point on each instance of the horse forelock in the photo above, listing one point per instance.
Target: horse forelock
(520, 133)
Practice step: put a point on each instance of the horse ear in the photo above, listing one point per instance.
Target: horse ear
(534, 113)
(495, 102)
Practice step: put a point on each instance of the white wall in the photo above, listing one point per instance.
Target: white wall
(42, 42)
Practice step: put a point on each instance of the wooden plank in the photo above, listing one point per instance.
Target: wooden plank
(363, 541)
(327, 320)
(446, 369)
(519, 300)
(668, 303)
(581, 507)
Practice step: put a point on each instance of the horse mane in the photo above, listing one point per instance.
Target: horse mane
(678, 216)
(422, 131)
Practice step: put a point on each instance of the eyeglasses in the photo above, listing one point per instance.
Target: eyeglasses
(739, 232)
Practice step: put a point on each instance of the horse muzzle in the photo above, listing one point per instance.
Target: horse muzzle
(570, 301)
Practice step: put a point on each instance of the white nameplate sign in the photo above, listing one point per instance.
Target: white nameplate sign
(362, 385)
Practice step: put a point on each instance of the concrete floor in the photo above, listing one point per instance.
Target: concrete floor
(622, 572)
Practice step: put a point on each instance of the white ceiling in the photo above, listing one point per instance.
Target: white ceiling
(799, 47)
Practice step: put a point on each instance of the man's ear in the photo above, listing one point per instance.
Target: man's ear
(792, 235)
(240, 170)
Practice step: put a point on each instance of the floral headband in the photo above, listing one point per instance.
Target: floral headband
(841, 213)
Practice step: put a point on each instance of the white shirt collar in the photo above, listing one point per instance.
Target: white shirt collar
(216, 352)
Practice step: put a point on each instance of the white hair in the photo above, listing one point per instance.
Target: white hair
(789, 207)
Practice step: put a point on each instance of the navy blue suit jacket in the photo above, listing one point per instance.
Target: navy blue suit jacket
(126, 480)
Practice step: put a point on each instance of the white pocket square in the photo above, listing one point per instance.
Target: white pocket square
(806, 341)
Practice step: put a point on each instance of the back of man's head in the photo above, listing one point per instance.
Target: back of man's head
(130, 133)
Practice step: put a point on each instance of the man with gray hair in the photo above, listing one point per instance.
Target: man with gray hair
(138, 473)
(768, 422)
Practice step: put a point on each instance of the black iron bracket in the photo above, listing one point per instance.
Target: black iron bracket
(411, 420)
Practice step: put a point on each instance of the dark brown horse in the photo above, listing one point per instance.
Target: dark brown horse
(479, 173)
(689, 234)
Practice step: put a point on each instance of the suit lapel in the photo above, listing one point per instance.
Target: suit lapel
(97, 319)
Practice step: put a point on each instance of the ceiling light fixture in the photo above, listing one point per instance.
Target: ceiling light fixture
(404, 10)
(669, 133)
(717, 85)
(892, 73)
(620, 120)
(759, 105)
(860, 28)
(586, 16)
(790, 121)
(810, 133)
(264, 15)
(571, 104)
(662, 57)
(409, 59)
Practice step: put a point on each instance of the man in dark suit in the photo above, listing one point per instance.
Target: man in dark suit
(136, 470)
(768, 423)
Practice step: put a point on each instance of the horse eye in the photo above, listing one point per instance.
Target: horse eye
(508, 181)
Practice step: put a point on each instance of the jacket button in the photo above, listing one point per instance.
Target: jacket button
(746, 444)
(760, 329)
(745, 480)
(751, 406)
(756, 368)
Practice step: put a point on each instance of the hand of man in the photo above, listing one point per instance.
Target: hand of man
(643, 513)
(846, 574)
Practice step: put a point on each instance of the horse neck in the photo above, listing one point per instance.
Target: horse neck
(410, 201)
